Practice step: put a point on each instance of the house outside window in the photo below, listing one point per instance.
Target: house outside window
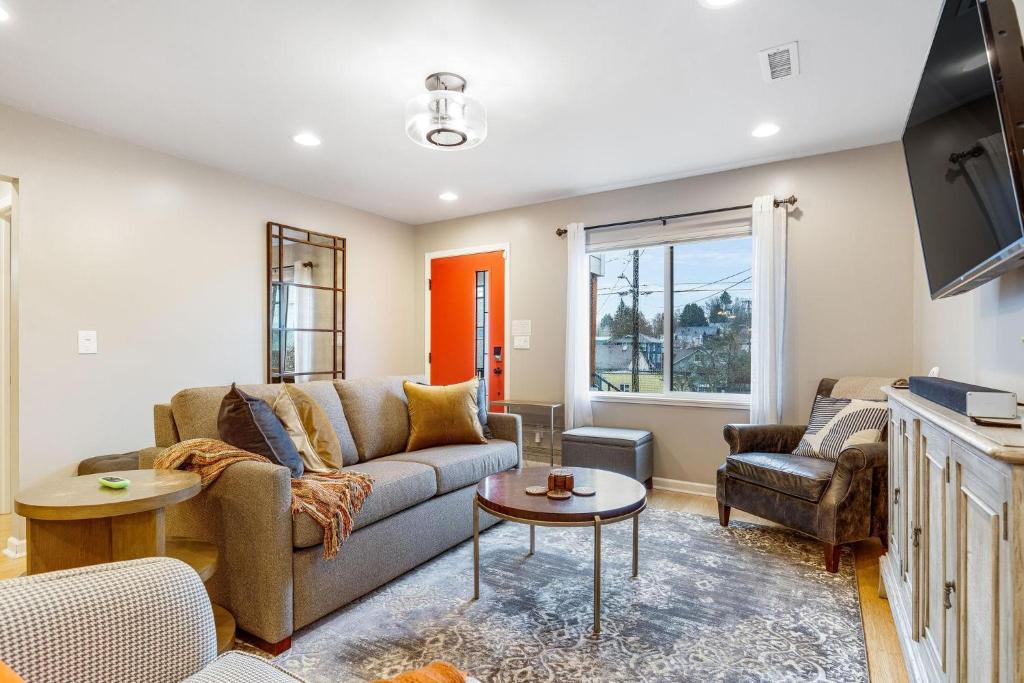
(689, 340)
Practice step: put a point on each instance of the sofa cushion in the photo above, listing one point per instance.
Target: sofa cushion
(195, 410)
(396, 486)
(249, 423)
(326, 396)
(377, 413)
(793, 475)
(464, 464)
(443, 415)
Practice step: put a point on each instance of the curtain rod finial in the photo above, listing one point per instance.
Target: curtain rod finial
(561, 232)
(790, 200)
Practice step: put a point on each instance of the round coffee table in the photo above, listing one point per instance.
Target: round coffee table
(618, 498)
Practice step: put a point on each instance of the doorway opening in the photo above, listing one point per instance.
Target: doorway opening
(466, 318)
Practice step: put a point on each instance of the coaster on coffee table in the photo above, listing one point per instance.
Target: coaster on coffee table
(559, 495)
(536, 490)
(584, 491)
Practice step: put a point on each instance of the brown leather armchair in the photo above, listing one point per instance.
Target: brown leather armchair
(835, 502)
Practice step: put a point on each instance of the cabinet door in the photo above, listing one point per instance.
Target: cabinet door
(934, 522)
(896, 488)
(910, 577)
(981, 591)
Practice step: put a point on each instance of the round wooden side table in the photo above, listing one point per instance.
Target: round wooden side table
(76, 521)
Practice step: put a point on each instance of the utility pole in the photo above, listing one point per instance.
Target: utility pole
(635, 286)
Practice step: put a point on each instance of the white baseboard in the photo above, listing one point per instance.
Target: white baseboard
(679, 486)
(16, 547)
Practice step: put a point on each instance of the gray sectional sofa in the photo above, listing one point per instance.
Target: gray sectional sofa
(271, 572)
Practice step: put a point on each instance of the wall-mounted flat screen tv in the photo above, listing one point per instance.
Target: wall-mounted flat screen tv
(963, 146)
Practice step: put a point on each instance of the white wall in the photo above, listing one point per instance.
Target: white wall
(850, 283)
(976, 337)
(166, 260)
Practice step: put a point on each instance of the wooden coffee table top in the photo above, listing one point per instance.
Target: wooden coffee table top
(84, 498)
(505, 492)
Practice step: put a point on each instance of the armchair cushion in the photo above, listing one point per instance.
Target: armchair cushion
(794, 475)
(856, 422)
(744, 438)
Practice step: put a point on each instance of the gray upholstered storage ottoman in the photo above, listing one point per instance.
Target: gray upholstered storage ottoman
(626, 451)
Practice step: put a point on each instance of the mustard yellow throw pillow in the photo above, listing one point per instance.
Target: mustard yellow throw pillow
(310, 430)
(439, 416)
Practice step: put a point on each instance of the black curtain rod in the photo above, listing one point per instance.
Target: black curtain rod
(790, 200)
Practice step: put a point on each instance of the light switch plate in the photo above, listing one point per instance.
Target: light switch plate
(520, 342)
(87, 341)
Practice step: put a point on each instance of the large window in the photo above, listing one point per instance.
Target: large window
(704, 315)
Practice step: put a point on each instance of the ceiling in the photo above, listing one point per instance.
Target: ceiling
(582, 95)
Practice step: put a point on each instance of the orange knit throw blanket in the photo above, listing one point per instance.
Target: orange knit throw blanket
(435, 672)
(331, 499)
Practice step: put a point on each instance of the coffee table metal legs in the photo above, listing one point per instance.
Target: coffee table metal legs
(597, 524)
(476, 549)
(597, 575)
(636, 545)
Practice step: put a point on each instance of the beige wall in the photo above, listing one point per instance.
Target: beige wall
(166, 260)
(850, 283)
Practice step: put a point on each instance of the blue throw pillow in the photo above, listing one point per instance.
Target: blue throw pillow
(250, 424)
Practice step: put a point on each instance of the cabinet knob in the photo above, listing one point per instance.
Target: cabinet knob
(917, 536)
(946, 601)
(896, 496)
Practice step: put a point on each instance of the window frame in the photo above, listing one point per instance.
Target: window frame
(697, 399)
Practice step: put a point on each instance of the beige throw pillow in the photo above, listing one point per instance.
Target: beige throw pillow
(440, 416)
(310, 430)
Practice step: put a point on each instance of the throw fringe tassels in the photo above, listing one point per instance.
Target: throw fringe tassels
(332, 499)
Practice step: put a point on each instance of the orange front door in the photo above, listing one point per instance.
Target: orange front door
(458, 319)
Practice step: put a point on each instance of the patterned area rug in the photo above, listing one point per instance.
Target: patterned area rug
(745, 603)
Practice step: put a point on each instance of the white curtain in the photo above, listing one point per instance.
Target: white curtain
(304, 317)
(577, 331)
(768, 319)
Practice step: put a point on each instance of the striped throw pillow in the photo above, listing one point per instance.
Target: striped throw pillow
(840, 423)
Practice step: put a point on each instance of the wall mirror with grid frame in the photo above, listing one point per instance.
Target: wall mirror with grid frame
(305, 305)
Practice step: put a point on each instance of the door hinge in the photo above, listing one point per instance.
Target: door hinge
(917, 536)
(430, 357)
(430, 284)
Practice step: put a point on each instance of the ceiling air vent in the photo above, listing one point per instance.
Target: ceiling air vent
(779, 62)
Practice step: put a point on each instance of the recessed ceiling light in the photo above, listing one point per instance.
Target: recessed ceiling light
(765, 130)
(716, 4)
(4, 14)
(448, 196)
(306, 139)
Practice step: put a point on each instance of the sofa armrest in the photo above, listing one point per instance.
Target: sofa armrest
(744, 438)
(509, 427)
(100, 622)
(864, 456)
(147, 456)
(246, 512)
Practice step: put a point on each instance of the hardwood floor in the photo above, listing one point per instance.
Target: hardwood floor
(885, 660)
(8, 568)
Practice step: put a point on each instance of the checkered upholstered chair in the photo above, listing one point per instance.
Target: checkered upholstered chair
(144, 620)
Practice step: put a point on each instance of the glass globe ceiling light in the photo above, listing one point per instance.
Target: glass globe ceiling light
(445, 117)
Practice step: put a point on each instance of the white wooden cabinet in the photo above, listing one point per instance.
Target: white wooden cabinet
(954, 571)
